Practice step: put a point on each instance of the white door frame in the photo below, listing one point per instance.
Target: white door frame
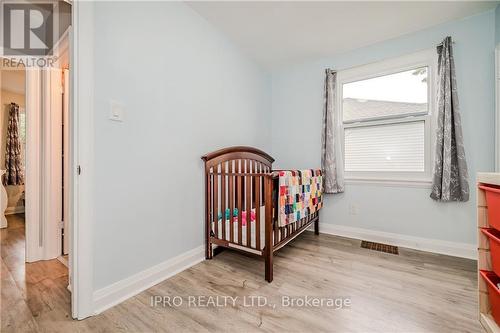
(33, 167)
(81, 158)
(497, 108)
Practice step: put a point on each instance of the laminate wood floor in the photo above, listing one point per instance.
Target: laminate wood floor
(410, 292)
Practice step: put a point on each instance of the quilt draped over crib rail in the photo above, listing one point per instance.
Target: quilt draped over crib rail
(300, 193)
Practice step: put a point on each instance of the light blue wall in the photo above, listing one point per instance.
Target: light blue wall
(297, 97)
(187, 91)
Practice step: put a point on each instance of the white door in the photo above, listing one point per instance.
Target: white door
(65, 157)
(52, 171)
(44, 199)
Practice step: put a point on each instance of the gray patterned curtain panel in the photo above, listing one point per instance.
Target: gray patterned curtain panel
(331, 160)
(13, 162)
(451, 180)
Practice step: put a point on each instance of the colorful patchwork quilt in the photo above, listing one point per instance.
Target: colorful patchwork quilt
(300, 194)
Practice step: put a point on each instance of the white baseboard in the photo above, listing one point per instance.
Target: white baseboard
(455, 249)
(14, 210)
(119, 291)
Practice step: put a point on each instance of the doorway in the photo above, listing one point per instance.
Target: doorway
(34, 155)
(32, 256)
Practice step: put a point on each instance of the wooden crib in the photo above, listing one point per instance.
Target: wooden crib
(241, 178)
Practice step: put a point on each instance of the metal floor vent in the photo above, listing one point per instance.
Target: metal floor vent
(380, 247)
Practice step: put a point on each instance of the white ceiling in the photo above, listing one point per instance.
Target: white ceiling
(278, 33)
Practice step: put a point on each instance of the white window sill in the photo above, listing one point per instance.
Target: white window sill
(390, 182)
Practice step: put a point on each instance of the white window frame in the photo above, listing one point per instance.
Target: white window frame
(497, 107)
(427, 58)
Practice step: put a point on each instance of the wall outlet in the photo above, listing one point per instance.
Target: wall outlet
(353, 209)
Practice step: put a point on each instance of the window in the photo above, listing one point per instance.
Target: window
(22, 125)
(386, 111)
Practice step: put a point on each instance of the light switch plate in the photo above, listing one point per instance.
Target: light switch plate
(116, 111)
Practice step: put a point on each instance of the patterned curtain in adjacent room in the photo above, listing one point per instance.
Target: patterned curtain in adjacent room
(331, 157)
(451, 179)
(13, 161)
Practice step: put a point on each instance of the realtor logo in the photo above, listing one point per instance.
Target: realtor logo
(28, 29)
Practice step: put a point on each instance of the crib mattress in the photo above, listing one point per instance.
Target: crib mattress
(253, 230)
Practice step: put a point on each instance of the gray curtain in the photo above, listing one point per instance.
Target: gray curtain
(331, 159)
(451, 180)
(13, 161)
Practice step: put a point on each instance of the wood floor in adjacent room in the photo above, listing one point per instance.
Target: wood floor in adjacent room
(410, 292)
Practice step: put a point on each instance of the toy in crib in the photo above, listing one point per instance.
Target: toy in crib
(235, 215)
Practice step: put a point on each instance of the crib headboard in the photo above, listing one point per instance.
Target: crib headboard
(238, 159)
(237, 178)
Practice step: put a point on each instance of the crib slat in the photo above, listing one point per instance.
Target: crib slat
(216, 204)
(262, 170)
(240, 221)
(231, 208)
(257, 211)
(248, 201)
(276, 232)
(208, 212)
(223, 199)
